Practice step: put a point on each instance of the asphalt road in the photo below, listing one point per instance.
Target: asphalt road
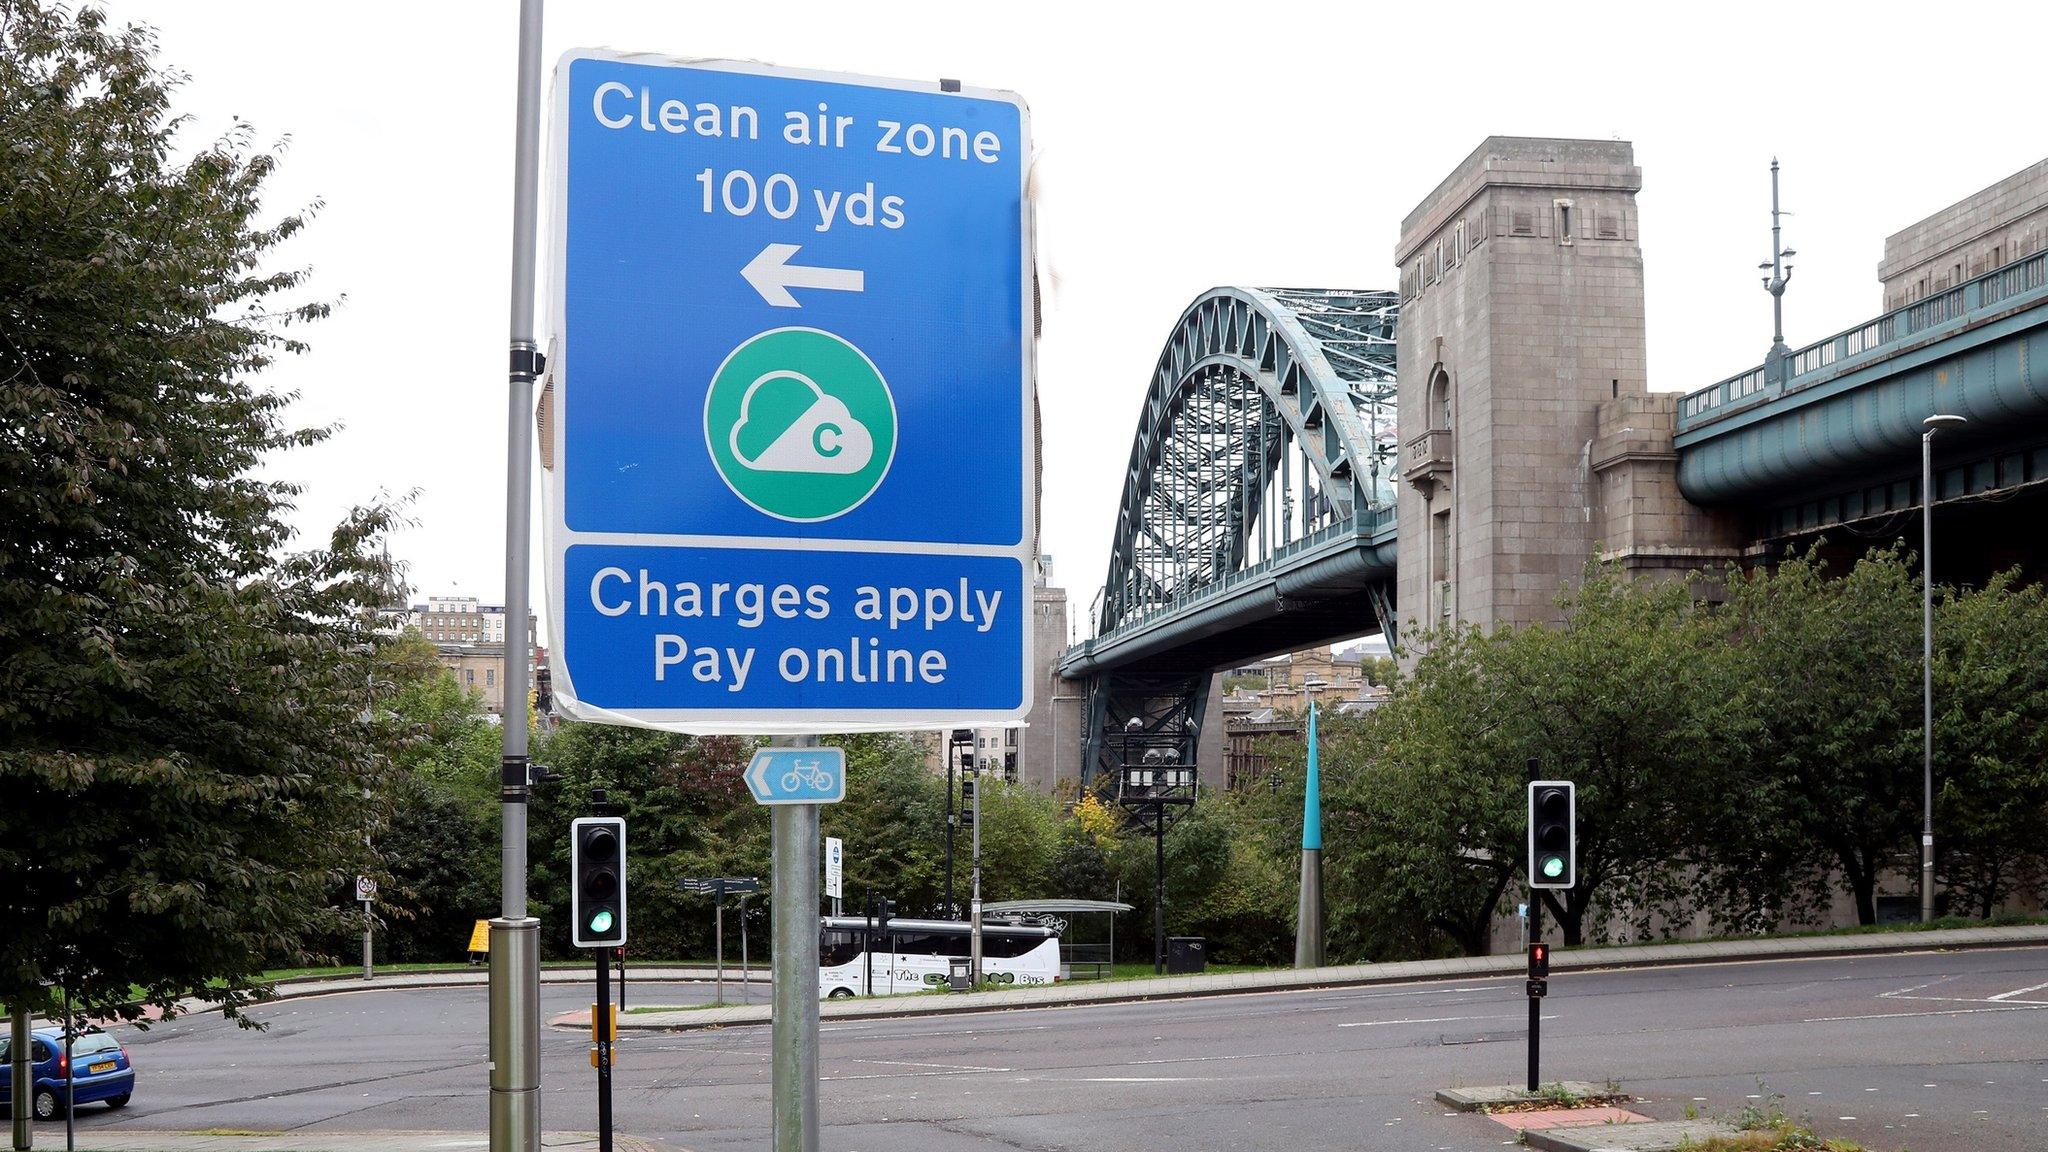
(1936, 1052)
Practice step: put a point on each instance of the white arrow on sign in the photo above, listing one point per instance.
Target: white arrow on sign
(757, 776)
(772, 275)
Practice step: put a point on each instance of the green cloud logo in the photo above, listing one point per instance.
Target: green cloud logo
(800, 424)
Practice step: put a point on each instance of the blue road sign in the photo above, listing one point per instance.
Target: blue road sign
(789, 454)
(797, 776)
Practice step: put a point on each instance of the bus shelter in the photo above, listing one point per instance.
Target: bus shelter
(1087, 931)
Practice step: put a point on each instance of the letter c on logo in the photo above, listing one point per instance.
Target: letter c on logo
(825, 438)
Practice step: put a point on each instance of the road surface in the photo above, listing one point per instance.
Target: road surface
(1936, 1052)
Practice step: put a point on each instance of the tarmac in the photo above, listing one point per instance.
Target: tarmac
(1342, 976)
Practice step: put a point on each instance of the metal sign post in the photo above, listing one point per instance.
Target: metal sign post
(794, 987)
(366, 891)
(515, 936)
(718, 887)
(835, 851)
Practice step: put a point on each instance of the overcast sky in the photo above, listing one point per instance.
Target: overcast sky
(1179, 147)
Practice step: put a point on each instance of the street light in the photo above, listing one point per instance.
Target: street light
(1933, 424)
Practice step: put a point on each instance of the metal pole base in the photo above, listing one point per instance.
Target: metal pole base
(515, 1035)
(794, 1028)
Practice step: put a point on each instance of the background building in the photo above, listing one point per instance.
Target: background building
(469, 638)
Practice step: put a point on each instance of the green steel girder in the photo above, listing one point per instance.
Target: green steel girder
(1250, 380)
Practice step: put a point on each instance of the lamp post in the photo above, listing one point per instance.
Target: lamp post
(1780, 275)
(957, 740)
(1154, 791)
(1933, 424)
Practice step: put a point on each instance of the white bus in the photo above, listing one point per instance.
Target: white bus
(917, 955)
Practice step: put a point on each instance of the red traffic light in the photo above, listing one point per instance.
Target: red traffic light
(1539, 961)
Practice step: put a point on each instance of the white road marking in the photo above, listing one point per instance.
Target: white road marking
(915, 1064)
(1941, 1012)
(2018, 992)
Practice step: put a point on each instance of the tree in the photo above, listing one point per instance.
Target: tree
(1822, 684)
(1421, 807)
(1991, 743)
(180, 744)
(688, 813)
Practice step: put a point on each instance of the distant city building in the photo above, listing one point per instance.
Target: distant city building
(469, 638)
(1047, 750)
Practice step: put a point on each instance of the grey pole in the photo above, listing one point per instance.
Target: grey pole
(1780, 276)
(23, 1088)
(794, 992)
(746, 967)
(718, 936)
(368, 971)
(974, 911)
(1934, 424)
(515, 936)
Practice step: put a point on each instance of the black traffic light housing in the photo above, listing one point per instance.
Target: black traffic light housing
(597, 890)
(1553, 834)
(967, 801)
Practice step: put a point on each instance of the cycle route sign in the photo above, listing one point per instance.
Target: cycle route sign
(797, 775)
(787, 430)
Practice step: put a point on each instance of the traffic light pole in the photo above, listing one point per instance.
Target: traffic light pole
(515, 936)
(1535, 1001)
(601, 1029)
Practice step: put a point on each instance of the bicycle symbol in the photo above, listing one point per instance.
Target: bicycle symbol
(808, 774)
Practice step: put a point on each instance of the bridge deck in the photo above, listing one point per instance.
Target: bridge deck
(1844, 423)
(1312, 589)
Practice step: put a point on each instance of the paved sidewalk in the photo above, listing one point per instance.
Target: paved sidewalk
(1281, 980)
(120, 1140)
(478, 977)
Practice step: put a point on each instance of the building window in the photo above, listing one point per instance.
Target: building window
(1458, 247)
(1439, 261)
(1521, 222)
(490, 677)
(1564, 222)
(469, 677)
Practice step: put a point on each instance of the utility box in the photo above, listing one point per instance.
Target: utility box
(961, 976)
(1186, 955)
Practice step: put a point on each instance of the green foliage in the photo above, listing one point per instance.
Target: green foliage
(180, 747)
(687, 813)
(1740, 744)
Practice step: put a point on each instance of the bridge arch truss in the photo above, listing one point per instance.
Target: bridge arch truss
(1267, 433)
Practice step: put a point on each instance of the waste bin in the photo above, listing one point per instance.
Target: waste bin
(961, 976)
(1186, 955)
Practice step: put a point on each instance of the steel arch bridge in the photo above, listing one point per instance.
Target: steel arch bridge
(1257, 514)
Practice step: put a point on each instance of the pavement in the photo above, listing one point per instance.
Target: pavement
(478, 977)
(216, 1141)
(1340, 976)
(1939, 1051)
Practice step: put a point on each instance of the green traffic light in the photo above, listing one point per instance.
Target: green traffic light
(601, 922)
(1553, 867)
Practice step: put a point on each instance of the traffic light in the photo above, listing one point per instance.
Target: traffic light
(967, 807)
(1553, 834)
(597, 891)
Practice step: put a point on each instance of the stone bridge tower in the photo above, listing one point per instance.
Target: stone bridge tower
(1521, 328)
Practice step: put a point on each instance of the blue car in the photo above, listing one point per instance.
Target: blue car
(103, 1071)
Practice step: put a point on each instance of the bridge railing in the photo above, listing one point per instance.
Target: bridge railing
(1377, 519)
(1993, 290)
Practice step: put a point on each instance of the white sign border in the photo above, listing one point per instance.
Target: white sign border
(559, 538)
